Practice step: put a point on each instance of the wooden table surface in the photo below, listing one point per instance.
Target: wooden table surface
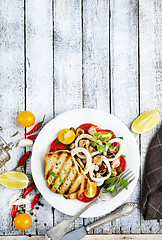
(66, 54)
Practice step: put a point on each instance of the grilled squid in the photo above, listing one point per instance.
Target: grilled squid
(121, 147)
(86, 155)
(87, 136)
(99, 179)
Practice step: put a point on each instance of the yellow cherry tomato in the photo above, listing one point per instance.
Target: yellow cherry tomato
(66, 136)
(23, 221)
(26, 119)
(91, 191)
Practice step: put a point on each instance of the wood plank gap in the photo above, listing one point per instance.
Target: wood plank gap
(82, 53)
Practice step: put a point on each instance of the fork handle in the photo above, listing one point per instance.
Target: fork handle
(125, 210)
(94, 201)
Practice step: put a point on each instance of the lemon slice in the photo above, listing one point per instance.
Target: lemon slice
(146, 121)
(14, 180)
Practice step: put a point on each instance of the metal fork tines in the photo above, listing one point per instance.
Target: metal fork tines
(127, 175)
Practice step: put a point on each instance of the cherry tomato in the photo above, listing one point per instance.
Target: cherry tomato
(91, 191)
(106, 131)
(123, 164)
(56, 145)
(23, 221)
(83, 198)
(26, 119)
(86, 126)
(66, 136)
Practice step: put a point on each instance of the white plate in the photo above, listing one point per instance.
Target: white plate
(74, 118)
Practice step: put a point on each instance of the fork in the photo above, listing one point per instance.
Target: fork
(57, 232)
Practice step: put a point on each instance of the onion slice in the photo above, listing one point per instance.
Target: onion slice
(13, 199)
(100, 179)
(79, 138)
(121, 148)
(87, 157)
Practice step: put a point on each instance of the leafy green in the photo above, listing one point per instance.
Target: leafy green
(124, 183)
(121, 138)
(60, 179)
(114, 181)
(110, 180)
(15, 134)
(122, 155)
(101, 147)
(54, 184)
(53, 174)
(119, 169)
(57, 141)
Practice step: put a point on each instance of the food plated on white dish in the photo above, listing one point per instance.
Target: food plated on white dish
(78, 153)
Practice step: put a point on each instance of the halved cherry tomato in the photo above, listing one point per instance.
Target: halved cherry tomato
(83, 198)
(123, 164)
(91, 191)
(66, 136)
(23, 221)
(106, 131)
(56, 145)
(86, 126)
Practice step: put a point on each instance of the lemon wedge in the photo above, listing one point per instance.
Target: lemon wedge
(14, 180)
(146, 121)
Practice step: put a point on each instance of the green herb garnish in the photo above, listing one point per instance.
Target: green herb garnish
(114, 181)
(101, 147)
(122, 155)
(15, 134)
(119, 169)
(60, 180)
(121, 138)
(57, 141)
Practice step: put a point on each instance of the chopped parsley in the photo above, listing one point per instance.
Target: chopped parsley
(15, 134)
(101, 147)
(60, 180)
(114, 181)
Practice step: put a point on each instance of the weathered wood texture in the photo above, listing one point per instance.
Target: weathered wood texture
(150, 36)
(39, 85)
(94, 237)
(11, 91)
(67, 64)
(124, 84)
(65, 54)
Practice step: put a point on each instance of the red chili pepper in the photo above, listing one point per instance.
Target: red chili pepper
(28, 190)
(13, 214)
(23, 159)
(35, 200)
(32, 136)
(36, 127)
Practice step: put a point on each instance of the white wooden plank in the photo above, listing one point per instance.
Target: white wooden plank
(11, 93)
(124, 82)
(96, 54)
(150, 32)
(67, 64)
(94, 237)
(39, 82)
(96, 61)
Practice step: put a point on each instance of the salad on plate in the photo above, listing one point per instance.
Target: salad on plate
(83, 160)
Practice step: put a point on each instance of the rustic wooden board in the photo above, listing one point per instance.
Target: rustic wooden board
(60, 55)
(94, 237)
(150, 33)
(124, 85)
(67, 65)
(39, 86)
(11, 92)
(96, 60)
